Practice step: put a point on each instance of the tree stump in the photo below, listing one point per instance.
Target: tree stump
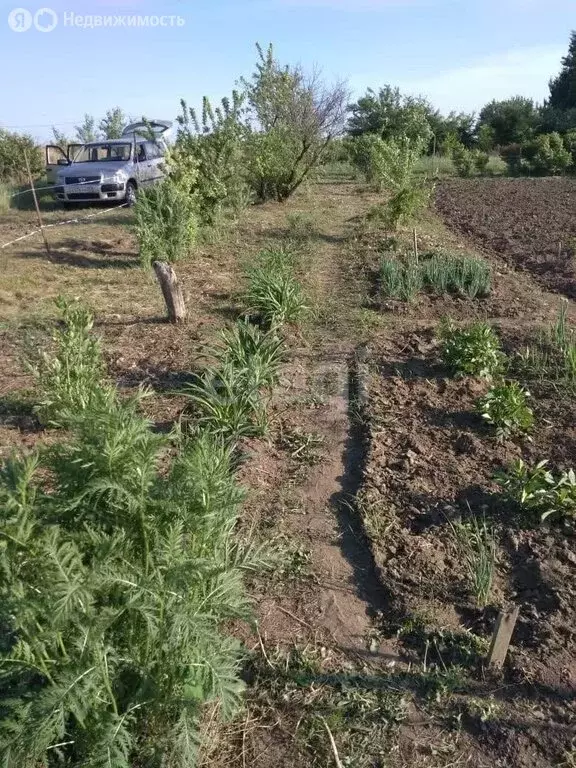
(172, 292)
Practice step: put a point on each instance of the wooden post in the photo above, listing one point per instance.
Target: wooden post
(415, 245)
(503, 630)
(172, 291)
(40, 223)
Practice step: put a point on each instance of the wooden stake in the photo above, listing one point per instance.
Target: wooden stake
(502, 636)
(40, 223)
(172, 291)
(415, 245)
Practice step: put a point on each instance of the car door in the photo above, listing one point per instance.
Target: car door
(55, 158)
(156, 155)
(142, 164)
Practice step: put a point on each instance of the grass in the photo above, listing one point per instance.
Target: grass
(552, 357)
(438, 273)
(477, 549)
(273, 291)
(256, 353)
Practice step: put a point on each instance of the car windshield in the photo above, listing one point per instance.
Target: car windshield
(99, 153)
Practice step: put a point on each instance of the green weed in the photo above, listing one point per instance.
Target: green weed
(257, 354)
(477, 549)
(536, 489)
(276, 296)
(505, 407)
(471, 351)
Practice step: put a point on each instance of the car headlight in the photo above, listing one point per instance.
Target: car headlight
(119, 177)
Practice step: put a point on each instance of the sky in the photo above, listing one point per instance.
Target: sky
(458, 53)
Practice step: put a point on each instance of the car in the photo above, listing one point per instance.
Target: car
(110, 170)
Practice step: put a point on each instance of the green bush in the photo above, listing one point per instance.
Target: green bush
(481, 161)
(120, 574)
(70, 377)
(463, 160)
(13, 146)
(471, 351)
(547, 155)
(505, 407)
(537, 489)
(166, 222)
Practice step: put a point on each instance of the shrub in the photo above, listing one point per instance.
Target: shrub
(547, 155)
(477, 548)
(70, 377)
(505, 407)
(292, 118)
(481, 161)
(166, 222)
(405, 205)
(214, 146)
(120, 571)
(463, 160)
(471, 351)
(12, 162)
(537, 489)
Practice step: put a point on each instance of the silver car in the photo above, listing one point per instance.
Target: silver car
(109, 170)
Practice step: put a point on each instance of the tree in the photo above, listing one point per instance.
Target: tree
(391, 115)
(563, 86)
(60, 139)
(87, 131)
(113, 123)
(512, 121)
(12, 162)
(291, 119)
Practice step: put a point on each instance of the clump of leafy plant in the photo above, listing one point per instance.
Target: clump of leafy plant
(477, 549)
(166, 222)
(505, 407)
(227, 402)
(400, 280)
(464, 275)
(258, 354)
(553, 356)
(120, 571)
(471, 351)
(537, 489)
(70, 376)
(273, 291)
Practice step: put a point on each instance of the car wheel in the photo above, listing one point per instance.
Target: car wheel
(130, 198)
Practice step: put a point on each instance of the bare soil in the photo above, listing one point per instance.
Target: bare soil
(528, 222)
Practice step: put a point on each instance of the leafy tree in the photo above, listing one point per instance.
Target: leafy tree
(512, 120)
(214, 143)
(60, 139)
(113, 123)
(461, 125)
(547, 155)
(87, 130)
(389, 114)
(563, 86)
(12, 163)
(291, 118)
(485, 138)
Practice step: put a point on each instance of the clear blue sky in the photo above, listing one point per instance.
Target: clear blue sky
(460, 53)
